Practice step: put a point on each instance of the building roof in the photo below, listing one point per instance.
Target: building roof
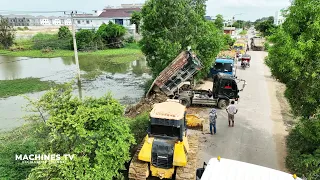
(41, 17)
(122, 12)
(168, 110)
(18, 16)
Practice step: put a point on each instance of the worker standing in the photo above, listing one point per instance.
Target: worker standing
(213, 120)
(231, 110)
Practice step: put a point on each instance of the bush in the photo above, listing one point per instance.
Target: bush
(85, 40)
(303, 145)
(25, 28)
(64, 33)
(139, 126)
(147, 85)
(20, 29)
(42, 41)
(130, 40)
(92, 129)
(22, 140)
(266, 46)
(112, 34)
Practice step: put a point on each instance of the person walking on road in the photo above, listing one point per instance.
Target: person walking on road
(213, 120)
(231, 110)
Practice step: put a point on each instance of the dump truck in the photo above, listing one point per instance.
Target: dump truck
(225, 88)
(166, 152)
(180, 70)
(225, 169)
(257, 43)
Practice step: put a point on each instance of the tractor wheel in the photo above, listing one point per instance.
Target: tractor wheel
(223, 103)
(186, 102)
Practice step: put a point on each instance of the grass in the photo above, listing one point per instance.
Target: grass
(22, 86)
(130, 49)
(243, 32)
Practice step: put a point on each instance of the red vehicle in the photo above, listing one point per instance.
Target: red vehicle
(245, 60)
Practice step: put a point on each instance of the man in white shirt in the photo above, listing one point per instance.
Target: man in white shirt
(231, 110)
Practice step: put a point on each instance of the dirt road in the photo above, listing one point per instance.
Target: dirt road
(258, 135)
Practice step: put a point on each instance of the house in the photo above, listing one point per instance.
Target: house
(44, 21)
(54, 21)
(18, 20)
(120, 16)
(229, 30)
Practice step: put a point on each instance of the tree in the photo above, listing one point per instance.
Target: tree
(94, 130)
(169, 27)
(294, 60)
(6, 33)
(266, 26)
(112, 34)
(64, 33)
(219, 22)
(136, 19)
(85, 39)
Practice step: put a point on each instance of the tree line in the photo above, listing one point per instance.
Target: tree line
(107, 36)
(294, 60)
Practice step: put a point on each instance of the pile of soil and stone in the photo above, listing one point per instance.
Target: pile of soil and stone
(145, 104)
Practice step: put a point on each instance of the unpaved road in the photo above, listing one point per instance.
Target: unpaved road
(258, 135)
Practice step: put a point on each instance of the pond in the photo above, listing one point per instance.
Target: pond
(123, 80)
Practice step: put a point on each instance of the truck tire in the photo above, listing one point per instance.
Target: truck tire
(223, 103)
(185, 101)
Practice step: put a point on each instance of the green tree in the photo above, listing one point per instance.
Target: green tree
(266, 27)
(169, 27)
(228, 41)
(85, 39)
(112, 34)
(294, 60)
(219, 22)
(6, 33)
(64, 33)
(94, 130)
(136, 19)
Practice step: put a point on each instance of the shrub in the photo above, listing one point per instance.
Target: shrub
(85, 40)
(52, 41)
(22, 140)
(25, 28)
(130, 40)
(303, 145)
(139, 126)
(266, 46)
(64, 33)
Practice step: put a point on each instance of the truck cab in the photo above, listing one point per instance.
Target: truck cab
(225, 169)
(224, 89)
(222, 65)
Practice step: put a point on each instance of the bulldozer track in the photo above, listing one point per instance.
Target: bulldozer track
(188, 172)
(138, 170)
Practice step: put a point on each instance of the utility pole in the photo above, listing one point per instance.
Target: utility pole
(76, 52)
(75, 44)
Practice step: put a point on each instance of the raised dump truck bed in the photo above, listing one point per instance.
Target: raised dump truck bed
(181, 69)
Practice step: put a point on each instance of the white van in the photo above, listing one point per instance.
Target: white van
(226, 169)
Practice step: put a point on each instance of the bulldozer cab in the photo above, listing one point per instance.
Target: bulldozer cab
(168, 120)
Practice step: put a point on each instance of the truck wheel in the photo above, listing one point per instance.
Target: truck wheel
(223, 103)
(186, 102)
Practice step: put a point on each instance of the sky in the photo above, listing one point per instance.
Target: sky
(250, 9)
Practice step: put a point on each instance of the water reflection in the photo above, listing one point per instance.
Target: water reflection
(123, 80)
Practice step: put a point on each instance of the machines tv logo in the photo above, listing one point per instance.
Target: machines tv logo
(43, 158)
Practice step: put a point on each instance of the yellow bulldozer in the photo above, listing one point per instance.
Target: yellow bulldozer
(166, 152)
